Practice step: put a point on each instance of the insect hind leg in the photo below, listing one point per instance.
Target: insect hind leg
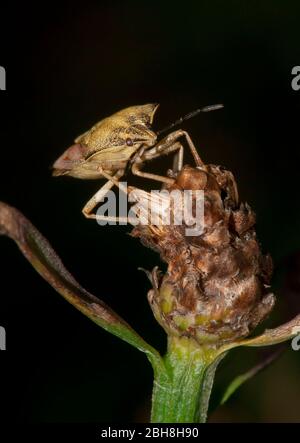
(99, 196)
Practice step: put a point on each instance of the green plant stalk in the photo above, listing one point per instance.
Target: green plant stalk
(181, 393)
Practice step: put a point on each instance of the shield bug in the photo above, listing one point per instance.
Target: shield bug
(124, 139)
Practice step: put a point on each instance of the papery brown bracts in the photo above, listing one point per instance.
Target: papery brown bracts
(216, 288)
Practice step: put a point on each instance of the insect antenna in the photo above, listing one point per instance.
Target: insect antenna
(190, 115)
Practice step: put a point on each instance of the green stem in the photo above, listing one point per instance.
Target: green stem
(181, 392)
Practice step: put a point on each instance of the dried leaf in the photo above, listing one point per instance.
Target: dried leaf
(273, 336)
(40, 254)
(270, 337)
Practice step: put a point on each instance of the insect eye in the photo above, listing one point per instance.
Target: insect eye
(129, 142)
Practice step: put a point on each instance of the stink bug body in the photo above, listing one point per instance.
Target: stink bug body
(125, 138)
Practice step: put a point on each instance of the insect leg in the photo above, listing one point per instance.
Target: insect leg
(158, 151)
(178, 160)
(171, 139)
(109, 218)
(113, 181)
(98, 197)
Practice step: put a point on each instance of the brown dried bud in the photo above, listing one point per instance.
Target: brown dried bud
(215, 289)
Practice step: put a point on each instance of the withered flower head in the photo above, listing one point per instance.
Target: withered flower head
(216, 288)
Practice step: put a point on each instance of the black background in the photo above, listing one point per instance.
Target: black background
(70, 64)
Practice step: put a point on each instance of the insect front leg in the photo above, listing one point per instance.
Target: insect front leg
(164, 145)
(161, 149)
(155, 152)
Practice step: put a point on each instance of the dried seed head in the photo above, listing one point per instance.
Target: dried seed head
(215, 289)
